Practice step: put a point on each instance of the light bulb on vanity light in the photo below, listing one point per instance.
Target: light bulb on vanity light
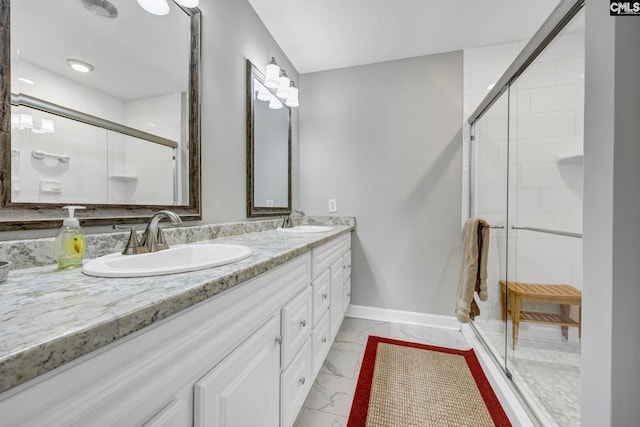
(274, 103)
(155, 7)
(283, 88)
(188, 3)
(263, 92)
(273, 73)
(292, 99)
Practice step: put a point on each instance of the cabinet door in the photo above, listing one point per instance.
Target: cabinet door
(347, 265)
(243, 390)
(347, 295)
(321, 289)
(337, 280)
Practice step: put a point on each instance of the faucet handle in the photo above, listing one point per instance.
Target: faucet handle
(161, 243)
(133, 246)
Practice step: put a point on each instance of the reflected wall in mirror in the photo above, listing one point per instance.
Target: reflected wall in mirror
(268, 149)
(122, 137)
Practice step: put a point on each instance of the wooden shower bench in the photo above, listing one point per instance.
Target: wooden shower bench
(564, 295)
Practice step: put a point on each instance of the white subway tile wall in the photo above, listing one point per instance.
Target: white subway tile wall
(104, 167)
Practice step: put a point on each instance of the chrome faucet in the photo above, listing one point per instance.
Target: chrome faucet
(286, 221)
(153, 239)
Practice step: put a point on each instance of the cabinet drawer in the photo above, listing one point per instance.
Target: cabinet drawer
(320, 343)
(323, 256)
(347, 295)
(321, 291)
(295, 385)
(347, 265)
(296, 325)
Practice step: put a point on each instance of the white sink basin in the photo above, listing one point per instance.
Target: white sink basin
(177, 259)
(305, 229)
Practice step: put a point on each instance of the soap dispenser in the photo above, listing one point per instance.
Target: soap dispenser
(69, 246)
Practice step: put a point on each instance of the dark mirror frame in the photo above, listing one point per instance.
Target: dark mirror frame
(252, 210)
(23, 216)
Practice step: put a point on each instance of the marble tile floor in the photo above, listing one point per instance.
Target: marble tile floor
(550, 374)
(329, 401)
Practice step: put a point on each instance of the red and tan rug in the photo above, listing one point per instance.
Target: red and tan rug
(404, 384)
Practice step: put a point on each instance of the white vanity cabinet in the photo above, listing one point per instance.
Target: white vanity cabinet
(329, 270)
(245, 357)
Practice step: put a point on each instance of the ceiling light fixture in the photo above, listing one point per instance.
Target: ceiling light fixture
(155, 7)
(81, 66)
(101, 8)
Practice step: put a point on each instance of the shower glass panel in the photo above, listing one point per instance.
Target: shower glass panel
(545, 196)
(526, 175)
(489, 174)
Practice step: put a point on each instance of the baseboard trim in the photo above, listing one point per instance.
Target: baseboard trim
(407, 317)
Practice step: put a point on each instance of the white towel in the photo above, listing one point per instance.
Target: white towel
(473, 268)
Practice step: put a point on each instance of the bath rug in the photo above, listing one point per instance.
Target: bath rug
(404, 384)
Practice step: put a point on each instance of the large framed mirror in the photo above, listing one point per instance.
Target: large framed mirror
(268, 149)
(100, 107)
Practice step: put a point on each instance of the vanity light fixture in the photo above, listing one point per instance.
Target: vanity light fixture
(285, 90)
(292, 99)
(272, 78)
(81, 66)
(283, 85)
(274, 103)
(188, 3)
(155, 7)
(263, 92)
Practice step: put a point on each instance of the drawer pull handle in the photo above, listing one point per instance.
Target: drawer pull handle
(303, 323)
(325, 296)
(324, 339)
(303, 380)
(279, 340)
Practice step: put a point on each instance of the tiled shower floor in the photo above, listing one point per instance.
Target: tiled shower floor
(550, 372)
(329, 400)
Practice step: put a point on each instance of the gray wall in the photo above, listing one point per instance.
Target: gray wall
(611, 336)
(232, 32)
(385, 141)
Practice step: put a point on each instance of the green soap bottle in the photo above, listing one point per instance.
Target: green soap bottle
(69, 247)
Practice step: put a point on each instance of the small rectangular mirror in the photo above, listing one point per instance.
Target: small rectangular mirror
(268, 149)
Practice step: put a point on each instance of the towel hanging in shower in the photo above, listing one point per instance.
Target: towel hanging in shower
(473, 268)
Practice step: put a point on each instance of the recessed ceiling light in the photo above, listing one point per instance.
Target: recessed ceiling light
(27, 81)
(81, 66)
(101, 8)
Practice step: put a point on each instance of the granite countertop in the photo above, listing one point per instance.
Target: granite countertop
(50, 317)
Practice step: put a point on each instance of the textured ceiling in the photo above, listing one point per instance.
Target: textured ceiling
(319, 35)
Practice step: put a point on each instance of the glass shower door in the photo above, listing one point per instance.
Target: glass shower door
(489, 184)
